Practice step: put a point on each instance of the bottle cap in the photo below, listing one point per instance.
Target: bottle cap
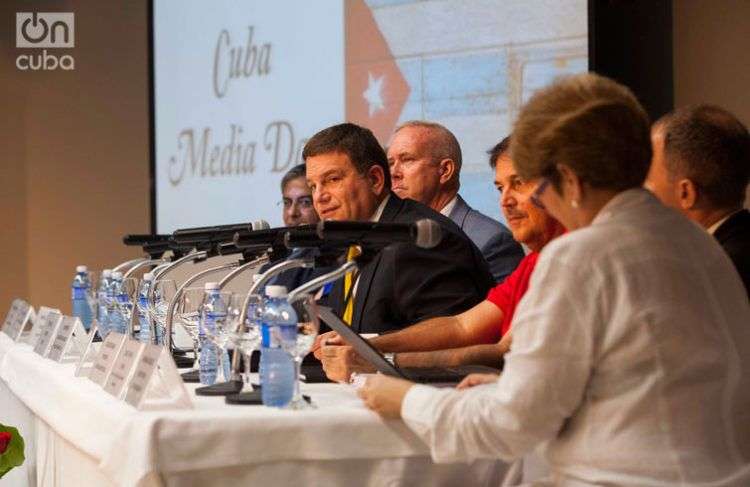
(107, 273)
(149, 276)
(116, 275)
(210, 286)
(81, 268)
(276, 291)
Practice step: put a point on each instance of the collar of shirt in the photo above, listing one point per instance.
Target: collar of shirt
(379, 212)
(446, 211)
(621, 200)
(712, 229)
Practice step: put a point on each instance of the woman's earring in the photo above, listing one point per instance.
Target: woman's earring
(574, 203)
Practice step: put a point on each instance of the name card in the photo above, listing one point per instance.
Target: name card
(63, 344)
(156, 382)
(90, 351)
(18, 316)
(11, 314)
(106, 358)
(38, 323)
(122, 367)
(47, 332)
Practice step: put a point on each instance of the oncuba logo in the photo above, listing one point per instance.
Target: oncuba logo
(42, 30)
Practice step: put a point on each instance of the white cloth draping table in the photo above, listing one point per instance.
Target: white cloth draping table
(111, 443)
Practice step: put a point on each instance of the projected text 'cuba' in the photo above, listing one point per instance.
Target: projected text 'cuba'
(210, 153)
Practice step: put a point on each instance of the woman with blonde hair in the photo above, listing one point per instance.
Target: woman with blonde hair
(631, 349)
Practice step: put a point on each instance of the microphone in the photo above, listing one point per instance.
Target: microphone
(424, 233)
(138, 240)
(215, 234)
(267, 237)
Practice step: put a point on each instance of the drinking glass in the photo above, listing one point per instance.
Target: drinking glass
(189, 313)
(218, 334)
(123, 303)
(308, 325)
(246, 338)
(164, 291)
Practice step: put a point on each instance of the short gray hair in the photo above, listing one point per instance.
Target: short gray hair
(446, 144)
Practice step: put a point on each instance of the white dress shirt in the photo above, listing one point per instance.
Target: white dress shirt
(712, 229)
(630, 359)
(446, 211)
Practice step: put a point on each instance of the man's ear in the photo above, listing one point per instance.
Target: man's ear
(376, 177)
(447, 170)
(687, 193)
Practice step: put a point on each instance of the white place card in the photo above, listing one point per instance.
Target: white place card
(47, 332)
(106, 358)
(19, 315)
(38, 324)
(63, 344)
(10, 317)
(90, 351)
(123, 367)
(156, 382)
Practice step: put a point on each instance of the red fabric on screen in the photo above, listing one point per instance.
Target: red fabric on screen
(508, 293)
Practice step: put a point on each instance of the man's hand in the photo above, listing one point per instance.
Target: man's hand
(384, 394)
(472, 380)
(339, 361)
(327, 338)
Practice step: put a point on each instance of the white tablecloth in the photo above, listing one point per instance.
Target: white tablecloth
(83, 436)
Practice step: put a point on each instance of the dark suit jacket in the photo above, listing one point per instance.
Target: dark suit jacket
(734, 237)
(404, 284)
(494, 240)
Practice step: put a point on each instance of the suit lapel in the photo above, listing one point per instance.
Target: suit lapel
(460, 212)
(391, 210)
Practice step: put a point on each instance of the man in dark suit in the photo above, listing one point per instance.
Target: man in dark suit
(347, 171)
(701, 166)
(425, 163)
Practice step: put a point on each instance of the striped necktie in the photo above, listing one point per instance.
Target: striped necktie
(350, 280)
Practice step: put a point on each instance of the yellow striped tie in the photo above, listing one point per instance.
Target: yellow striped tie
(349, 281)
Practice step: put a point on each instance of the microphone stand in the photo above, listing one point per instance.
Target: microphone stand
(234, 382)
(129, 263)
(160, 273)
(231, 383)
(294, 296)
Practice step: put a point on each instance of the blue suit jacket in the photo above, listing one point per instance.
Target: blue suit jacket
(493, 239)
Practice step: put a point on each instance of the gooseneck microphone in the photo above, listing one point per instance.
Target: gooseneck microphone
(424, 233)
(212, 234)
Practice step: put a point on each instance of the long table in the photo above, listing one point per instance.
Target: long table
(78, 435)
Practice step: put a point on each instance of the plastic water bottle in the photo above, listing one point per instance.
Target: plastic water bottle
(144, 332)
(115, 295)
(101, 296)
(213, 313)
(80, 290)
(278, 336)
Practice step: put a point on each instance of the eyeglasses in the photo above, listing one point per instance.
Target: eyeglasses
(537, 194)
(304, 202)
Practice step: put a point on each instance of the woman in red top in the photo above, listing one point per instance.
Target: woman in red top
(478, 336)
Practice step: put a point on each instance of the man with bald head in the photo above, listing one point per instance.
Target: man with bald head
(425, 163)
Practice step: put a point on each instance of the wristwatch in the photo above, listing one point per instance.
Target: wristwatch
(390, 357)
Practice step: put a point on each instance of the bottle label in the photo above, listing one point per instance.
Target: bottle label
(79, 292)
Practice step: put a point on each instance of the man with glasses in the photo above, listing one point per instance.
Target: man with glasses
(297, 210)
(297, 198)
(480, 335)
